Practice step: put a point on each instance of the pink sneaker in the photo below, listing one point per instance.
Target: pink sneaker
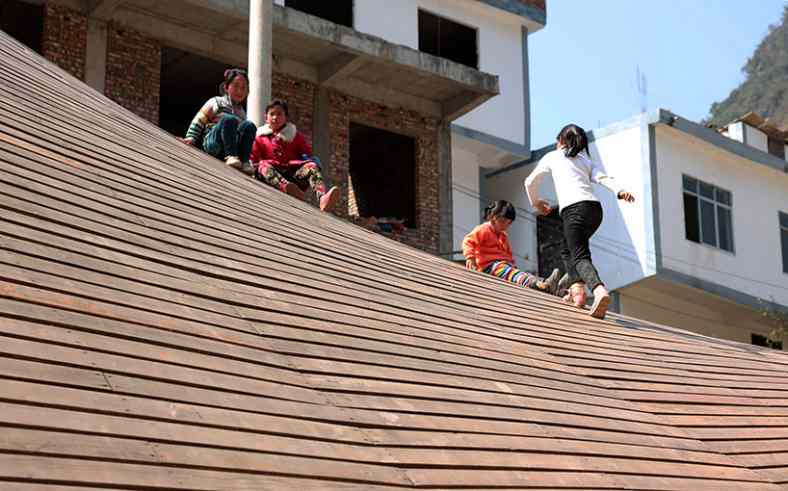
(601, 302)
(329, 200)
(576, 295)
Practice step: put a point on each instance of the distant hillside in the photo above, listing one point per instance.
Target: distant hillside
(765, 91)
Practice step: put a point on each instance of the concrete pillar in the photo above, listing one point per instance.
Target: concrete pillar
(321, 132)
(96, 55)
(445, 204)
(261, 16)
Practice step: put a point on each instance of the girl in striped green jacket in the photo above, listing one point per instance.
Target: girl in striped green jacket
(220, 126)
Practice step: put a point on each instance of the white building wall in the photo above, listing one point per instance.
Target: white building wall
(758, 192)
(736, 131)
(500, 52)
(465, 195)
(623, 249)
(756, 138)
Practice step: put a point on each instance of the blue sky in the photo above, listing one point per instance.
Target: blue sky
(583, 64)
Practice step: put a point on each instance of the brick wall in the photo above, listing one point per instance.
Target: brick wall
(343, 110)
(133, 71)
(64, 39)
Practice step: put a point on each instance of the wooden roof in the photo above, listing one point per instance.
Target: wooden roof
(167, 323)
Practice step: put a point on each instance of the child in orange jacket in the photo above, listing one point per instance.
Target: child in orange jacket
(487, 249)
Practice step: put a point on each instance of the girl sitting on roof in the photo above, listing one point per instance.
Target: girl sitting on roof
(220, 126)
(282, 158)
(486, 248)
(573, 171)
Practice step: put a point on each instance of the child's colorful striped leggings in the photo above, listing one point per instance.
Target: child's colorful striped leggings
(506, 271)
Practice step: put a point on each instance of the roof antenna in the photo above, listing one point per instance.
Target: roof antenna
(642, 86)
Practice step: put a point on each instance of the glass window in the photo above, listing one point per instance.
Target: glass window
(707, 223)
(708, 216)
(691, 222)
(724, 224)
(337, 11)
(690, 184)
(442, 37)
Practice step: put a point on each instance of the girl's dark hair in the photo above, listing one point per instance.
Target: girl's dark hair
(574, 140)
(229, 76)
(280, 103)
(500, 208)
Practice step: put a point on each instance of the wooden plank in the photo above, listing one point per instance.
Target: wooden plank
(725, 421)
(183, 426)
(738, 448)
(755, 408)
(558, 480)
(75, 472)
(362, 385)
(70, 445)
(182, 326)
(150, 349)
(483, 428)
(157, 370)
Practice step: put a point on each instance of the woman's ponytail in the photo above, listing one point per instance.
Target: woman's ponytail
(574, 140)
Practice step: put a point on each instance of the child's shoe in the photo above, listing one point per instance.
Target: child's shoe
(247, 168)
(233, 161)
(549, 284)
(329, 200)
(601, 302)
(552, 281)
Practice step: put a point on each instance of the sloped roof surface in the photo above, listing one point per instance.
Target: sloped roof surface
(167, 323)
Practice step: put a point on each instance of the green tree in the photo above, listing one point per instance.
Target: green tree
(765, 90)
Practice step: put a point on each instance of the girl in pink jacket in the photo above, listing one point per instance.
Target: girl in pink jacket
(283, 158)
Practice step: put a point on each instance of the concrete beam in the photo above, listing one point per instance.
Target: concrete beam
(238, 9)
(334, 71)
(102, 9)
(389, 97)
(461, 104)
(187, 39)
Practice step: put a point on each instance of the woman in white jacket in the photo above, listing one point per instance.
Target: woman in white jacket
(573, 172)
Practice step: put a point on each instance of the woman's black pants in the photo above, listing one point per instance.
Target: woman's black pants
(580, 221)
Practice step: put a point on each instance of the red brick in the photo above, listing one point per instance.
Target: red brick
(133, 71)
(343, 110)
(65, 38)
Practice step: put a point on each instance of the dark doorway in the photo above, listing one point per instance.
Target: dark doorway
(383, 173)
(448, 39)
(187, 81)
(337, 11)
(549, 237)
(23, 21)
